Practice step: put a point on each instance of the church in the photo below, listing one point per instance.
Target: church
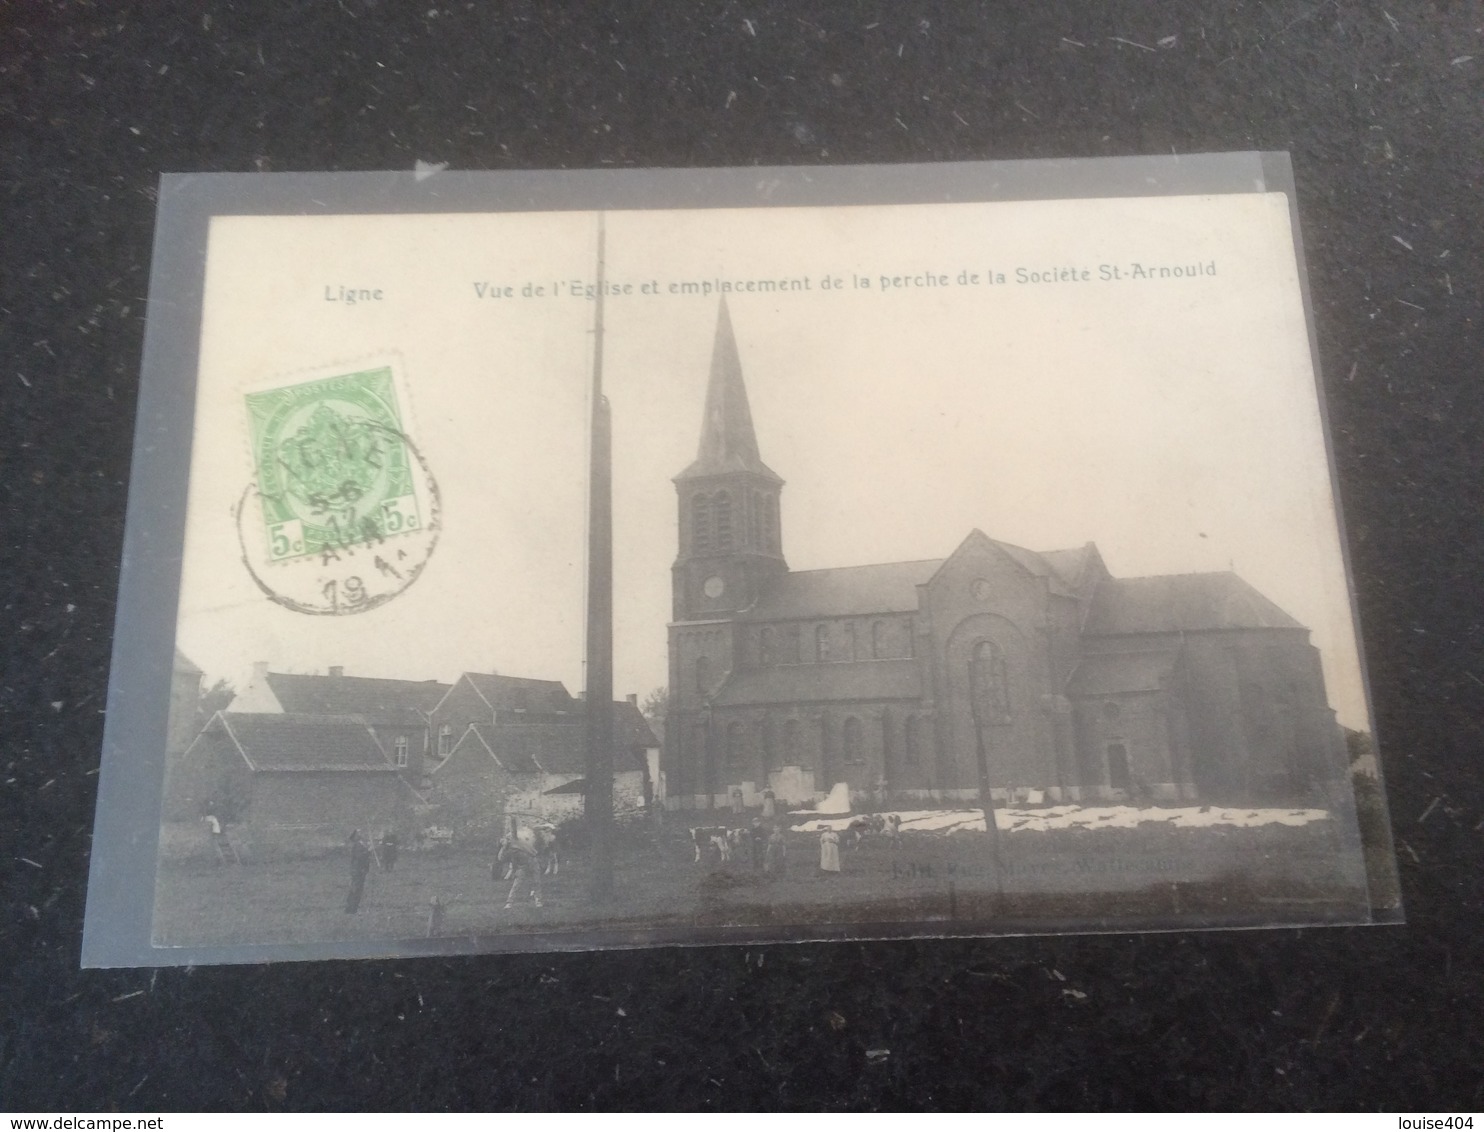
(1037, 676)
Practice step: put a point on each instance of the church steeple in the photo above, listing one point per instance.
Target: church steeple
(728, 440)
(730, 532)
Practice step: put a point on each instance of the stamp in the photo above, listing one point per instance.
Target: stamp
(347, 511)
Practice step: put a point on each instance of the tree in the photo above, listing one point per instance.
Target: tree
(216, 698)
(654, 708)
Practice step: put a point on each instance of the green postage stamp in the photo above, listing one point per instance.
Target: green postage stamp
(333, 464)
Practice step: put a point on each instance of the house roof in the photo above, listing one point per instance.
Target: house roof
(1110, 674)
(511, 757)
(509, 693)
(184, 665)
(558, 747)
(384, 701)
(562, 749)
(805, 683)
(293, 742)
(1182, 603)
(888, 587)
(630, 728)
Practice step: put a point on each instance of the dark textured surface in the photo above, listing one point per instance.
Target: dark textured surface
(1383, 115)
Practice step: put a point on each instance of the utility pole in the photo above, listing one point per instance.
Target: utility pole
(598, 711)
(986, 803)
(987, 712)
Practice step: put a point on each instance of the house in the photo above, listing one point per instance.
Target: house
(996, 668)
(517, 746)
(396, 710)
(525, 709)
(289, 776)
(636, 778)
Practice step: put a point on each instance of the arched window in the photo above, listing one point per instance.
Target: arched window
(399, 749)
(1118, 777)
(850, 647)
(722, 505)
(770, 522)
(764, 739)
(700, 524)
(855, 750)
(793, 743)
(791, 645)
(703, 674)
(989, 692)
(755, 521)
(821, 643)
(769, 645)
(911, 741)
(736, 744)
(445, 741)
(878, 640)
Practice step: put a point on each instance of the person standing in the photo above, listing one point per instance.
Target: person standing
(757, 838)
(775, 855)
(829, 851)
(220, 841)
(770, 805)
(525, 867)
(390, 845)
(360, 866)
(737, 801)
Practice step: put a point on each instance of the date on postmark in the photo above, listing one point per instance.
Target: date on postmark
(347, 513)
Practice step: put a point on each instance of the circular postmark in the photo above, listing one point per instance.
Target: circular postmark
(344, 513)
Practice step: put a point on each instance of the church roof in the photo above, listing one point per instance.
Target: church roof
(293, 742)
(1182, 603)
(728, 439)
(887, 587)
(803, 683)
(1109, 674)
(1062, 569)
(1071, 566)
(396, 701)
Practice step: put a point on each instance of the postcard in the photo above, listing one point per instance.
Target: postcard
(524, 561)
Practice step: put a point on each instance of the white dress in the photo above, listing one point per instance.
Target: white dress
(829, 851)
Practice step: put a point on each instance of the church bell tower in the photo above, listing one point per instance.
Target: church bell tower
(730, 537)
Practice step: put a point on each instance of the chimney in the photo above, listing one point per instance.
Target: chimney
(259, 671)
(633, 698)
(337, 670)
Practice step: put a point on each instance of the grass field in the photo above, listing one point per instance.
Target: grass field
(1101, 878)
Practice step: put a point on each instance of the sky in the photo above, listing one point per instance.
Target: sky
(1172, 421)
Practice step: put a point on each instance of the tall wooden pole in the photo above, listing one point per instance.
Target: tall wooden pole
(986, 803)
(598, 799)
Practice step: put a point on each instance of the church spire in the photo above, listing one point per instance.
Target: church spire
(728, 440)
